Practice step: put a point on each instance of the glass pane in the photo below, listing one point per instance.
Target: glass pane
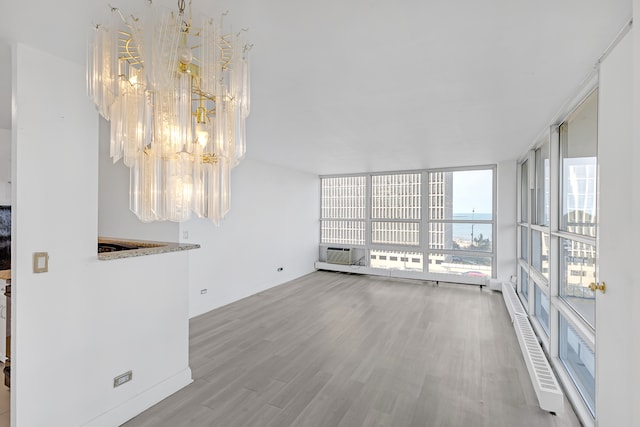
(395, 260)
(524, 192)
(579, 144)
(579, 359)
(440, 235)
(524, 283)
(461, 195)
(462, 236)
(577, 270)
(536, 249)
(540, 252)
(396, 196)
(543, 179)
(524, 243)
(395, 233)
(475, 266)
(542, 308)
(343, 197)
(344, 232)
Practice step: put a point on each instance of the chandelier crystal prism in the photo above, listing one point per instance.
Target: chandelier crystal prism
(176, 93)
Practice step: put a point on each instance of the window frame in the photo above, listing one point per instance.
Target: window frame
(424, 223)
(530, 222)
(324, 218)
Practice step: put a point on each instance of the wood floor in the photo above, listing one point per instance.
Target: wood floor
(332, 349)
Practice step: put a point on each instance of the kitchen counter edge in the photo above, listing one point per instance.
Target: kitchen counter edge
(147, 248)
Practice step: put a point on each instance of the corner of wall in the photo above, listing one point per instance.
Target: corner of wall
(506, 220)
(265, 231)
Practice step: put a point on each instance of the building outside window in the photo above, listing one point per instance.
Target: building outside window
(343, 201)
(541, 310)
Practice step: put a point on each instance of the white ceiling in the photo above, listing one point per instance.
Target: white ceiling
(372, 85)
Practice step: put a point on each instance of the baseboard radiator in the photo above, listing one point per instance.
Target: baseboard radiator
(511, 300)
(339, 256)
(545, 384)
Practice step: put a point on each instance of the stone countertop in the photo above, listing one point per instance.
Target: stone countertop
(143, 247)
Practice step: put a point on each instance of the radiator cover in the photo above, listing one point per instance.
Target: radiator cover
(545, 384)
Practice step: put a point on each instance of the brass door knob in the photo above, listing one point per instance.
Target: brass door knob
(602, 287)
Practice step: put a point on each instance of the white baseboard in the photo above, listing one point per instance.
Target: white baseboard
(138, 404)
(433, 277)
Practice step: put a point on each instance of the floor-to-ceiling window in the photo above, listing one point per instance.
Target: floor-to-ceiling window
(557, 233)
(396, 212)
(429, 222)
(461, 215)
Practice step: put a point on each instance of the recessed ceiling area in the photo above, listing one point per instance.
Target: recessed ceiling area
(359, 86)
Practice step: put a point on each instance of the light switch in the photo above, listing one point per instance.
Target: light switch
(40, 262)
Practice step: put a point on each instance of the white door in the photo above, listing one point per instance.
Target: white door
(615, 243)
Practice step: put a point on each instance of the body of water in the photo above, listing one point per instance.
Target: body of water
(463, 231)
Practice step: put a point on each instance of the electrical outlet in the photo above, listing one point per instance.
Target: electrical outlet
(280, 268)
(185, 235)
(203, 291)
(121, 379)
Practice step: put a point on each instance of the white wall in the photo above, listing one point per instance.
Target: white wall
(85, 321)
(635, 195)
(273, 223)
(5, 167)
(115, 219)
(506, 220)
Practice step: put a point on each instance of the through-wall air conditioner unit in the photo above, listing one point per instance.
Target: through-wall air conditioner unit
(339, 256)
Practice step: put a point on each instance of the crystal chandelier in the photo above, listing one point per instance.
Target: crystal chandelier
(177, 95)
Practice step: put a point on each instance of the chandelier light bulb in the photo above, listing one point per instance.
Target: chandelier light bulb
(185, 56)
(202, 135)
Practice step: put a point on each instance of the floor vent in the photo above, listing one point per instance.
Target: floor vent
(511, 300)
(339, 256)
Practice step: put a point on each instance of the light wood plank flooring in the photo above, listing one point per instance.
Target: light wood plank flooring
(332, 349)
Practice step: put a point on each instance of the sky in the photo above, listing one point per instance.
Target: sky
(472, 191)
